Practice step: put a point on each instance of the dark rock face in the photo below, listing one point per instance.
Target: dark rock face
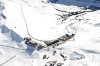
(2, 7)
(53, 1)
(63, 56)
(60, 64)
(89, 0)
(3, 16)
(94, 8)
(54, 52)
(45, 56)
(50, 63)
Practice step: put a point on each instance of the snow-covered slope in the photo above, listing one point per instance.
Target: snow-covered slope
(48, 21)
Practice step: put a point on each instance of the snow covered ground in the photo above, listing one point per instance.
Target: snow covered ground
(45, 21)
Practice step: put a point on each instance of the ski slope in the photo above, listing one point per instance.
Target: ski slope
(44, 23)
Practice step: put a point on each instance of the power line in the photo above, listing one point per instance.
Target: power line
(24, 19)
(12, 47)
(8, 60)
(27, 24)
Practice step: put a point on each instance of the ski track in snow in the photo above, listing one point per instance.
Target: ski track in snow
(83, 51)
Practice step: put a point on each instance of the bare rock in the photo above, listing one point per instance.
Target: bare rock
(50, 63)
(60, 64)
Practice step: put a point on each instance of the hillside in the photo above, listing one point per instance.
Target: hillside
(49, 24)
